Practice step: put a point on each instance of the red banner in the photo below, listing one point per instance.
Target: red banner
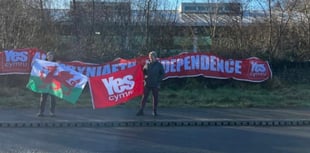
(92, 70)
(116, 88)
(211, 66)
(18, 61)
(189, 65)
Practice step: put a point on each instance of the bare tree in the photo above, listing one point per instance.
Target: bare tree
(302, 30)
(24, 24)
(153, 22)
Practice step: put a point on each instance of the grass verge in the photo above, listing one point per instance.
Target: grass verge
(297, 95)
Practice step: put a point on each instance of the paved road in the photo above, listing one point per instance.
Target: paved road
(125, 117)
(175, 130)
(156, 140)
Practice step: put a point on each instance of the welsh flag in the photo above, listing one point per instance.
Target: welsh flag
(51, 77)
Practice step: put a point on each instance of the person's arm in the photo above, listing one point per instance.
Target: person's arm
(145, 69)
(161, 72)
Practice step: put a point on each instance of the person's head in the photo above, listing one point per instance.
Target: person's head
(50, 55)
(152, 56)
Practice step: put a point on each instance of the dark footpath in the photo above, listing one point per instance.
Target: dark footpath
(168, 117)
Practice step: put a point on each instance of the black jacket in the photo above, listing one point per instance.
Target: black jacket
(153, 74)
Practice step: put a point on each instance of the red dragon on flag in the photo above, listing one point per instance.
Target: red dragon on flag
(51, 77)
(58, 79)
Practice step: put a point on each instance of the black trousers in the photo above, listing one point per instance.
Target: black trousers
(146, 93)
(43, 101)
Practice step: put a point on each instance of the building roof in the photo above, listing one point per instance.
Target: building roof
(185, 18)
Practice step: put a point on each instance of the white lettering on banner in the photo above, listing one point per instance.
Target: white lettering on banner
(205, 62)
(116, 97)
(106, 69)
(257, 70)
(202, 62)
(92, 71)
(16, 64)
(98, 72)
(172, 68)
(180, 62)
(195, 62)
(39, 55)
(81, 69)
(186, 63)
(14, 56)
(120, 66)
(213, 60)
(118, 85)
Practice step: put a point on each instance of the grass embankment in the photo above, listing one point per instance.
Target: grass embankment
(293, 96)
(297, 95)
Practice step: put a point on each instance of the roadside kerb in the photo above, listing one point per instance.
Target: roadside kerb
(154, 123)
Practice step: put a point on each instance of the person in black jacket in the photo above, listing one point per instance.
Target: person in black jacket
(49, 57)
(153, 75)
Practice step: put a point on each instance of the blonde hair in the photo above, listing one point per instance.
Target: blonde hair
(153, 53)
(50, 53)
